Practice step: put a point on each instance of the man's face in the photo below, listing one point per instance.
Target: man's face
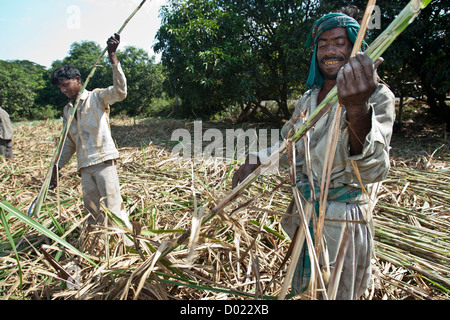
(333, 51)
(70, 87)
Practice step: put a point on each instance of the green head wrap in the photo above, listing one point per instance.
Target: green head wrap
(327, 22)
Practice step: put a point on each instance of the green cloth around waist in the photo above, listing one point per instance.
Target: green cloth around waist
(343, 194)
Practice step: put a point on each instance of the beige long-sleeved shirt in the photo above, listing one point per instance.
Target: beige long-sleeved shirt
(89, 135)
(373, 163)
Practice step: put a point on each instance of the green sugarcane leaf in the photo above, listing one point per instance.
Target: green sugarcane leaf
(268, 229)
(4, 222)
(41, 229)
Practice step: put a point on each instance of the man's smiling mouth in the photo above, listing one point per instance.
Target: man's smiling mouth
(331, 61)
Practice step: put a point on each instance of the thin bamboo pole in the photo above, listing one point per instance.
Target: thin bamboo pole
(44, 188)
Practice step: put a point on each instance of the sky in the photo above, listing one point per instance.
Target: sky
(42, 31)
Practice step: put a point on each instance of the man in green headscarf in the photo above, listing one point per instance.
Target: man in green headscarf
(328, 22)
(364, 136)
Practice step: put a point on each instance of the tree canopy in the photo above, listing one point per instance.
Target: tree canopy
(419, 64)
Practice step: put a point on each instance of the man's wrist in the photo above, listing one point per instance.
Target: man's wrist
(358, 111)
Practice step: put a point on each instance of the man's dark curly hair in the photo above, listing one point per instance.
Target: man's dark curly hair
(64, 73)
(352, 11)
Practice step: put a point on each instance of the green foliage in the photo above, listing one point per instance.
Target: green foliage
(26, 91)
(144, 80)
(419, 64)
(83, 55)
(6, 207)
(236, 53)
(197, 55)
(20, 84)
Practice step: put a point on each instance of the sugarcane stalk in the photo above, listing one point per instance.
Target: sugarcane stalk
(374, 51)
(304, 235)
(44, 188)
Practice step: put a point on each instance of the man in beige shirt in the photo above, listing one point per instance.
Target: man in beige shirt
(363, 139)
(89, 136)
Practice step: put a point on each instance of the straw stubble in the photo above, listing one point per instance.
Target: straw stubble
(236, 257)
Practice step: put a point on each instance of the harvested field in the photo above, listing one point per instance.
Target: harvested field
(231, 257)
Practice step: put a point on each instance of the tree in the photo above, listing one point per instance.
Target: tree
(144, 81)
(197, 53)
(224, 52)
(417, 64)
(20, 82)
(427, 43)
(275, 32)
